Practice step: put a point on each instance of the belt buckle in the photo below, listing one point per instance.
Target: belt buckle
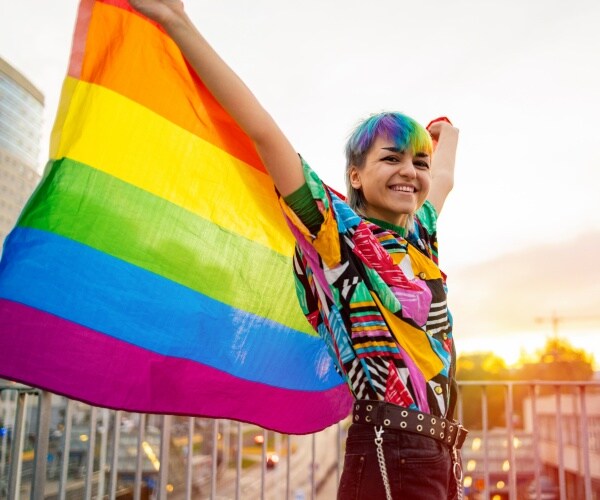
(461, 435)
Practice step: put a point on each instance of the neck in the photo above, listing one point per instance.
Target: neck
(400, 229)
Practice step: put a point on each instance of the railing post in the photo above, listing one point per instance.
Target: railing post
(114, 459)
(189, 457)
(313, 480)
(512, 471)
(213, 476)
(340, 457)
(486, 444)
(103, 446)
(587, 478)
(263, 464)
(3, 450)
(536, 442)
(137, 483)
(16, 452)
(238, 462)
(288, 465)
(40, 464)
(66, 450)
(165, 443)
(560, 448)
(89, 469)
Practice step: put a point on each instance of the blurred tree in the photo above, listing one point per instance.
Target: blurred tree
(559, 361)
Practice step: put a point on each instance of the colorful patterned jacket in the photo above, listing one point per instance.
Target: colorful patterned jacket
(379, 302)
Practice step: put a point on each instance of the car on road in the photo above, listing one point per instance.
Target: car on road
(272, 460)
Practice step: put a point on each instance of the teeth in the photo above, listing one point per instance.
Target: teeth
(406, 189)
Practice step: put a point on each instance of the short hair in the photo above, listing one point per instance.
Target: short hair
(403, 130)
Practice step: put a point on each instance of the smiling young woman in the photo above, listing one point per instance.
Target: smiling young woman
(367, 277)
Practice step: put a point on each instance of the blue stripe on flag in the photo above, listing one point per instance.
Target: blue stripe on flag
(86, 286)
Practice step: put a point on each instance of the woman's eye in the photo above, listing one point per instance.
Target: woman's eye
(392, 159)
(421, 164)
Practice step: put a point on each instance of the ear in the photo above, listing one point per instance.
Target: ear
(355, 178)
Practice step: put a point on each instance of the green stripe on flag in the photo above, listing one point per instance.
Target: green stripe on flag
(98, 210)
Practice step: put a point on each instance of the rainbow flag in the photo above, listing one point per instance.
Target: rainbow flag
(151, 269)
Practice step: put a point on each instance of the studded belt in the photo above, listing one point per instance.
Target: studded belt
(389, 416)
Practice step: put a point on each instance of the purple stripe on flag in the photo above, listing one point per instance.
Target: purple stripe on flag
(86, 365)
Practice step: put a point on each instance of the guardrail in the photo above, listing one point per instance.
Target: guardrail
(53, 448)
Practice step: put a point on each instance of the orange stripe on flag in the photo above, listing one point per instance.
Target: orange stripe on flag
(166, 85)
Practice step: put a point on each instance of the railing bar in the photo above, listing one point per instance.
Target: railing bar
(512, 463)
(276, 478)
(137, 483)
(165, 443)
(42, 434)
(263, 464)
(313, 463)
(213, 465)
(114, 459)
(536, 442)
(288, 461)
(103, 453)
(587, 478)
(238, 462)
(565, 383)
(559, 437)
(91, 450)
(226, 447)
(189, 456)
(486, 445)
(16, 453)
(90, 479)
(66, 449)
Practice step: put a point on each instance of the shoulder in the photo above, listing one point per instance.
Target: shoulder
(426, 217)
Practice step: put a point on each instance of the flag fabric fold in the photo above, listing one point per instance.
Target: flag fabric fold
(151, 269)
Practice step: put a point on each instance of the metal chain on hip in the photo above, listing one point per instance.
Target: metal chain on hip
(381, 460)
(458, 473)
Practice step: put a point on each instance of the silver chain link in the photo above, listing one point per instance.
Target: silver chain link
(381, 460)
(458, 473)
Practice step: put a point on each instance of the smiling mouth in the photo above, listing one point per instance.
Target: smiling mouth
(402, 189)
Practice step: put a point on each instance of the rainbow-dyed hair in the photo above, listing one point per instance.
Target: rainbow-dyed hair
(403, 130)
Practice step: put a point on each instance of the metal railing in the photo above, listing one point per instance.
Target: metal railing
(54, 448)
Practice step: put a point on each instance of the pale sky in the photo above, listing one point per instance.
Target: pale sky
(520, 78)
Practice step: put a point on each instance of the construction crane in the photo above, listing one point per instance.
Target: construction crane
(555, 320)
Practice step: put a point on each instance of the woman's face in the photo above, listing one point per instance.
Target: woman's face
(394, 183)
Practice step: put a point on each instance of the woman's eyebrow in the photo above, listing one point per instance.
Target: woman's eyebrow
(422, 155)
(394, 149)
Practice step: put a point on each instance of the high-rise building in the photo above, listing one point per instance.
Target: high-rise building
(21, 107)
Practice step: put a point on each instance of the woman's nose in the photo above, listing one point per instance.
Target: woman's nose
(407, 169)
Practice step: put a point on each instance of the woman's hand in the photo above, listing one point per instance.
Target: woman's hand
(439, 128)
(161, 11)
(276, 152)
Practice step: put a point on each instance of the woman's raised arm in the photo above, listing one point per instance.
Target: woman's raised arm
(276, 152)
(442, 163)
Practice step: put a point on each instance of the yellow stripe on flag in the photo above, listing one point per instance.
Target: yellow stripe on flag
(102, 129)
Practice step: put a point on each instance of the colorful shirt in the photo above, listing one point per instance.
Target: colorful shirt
(378, 300)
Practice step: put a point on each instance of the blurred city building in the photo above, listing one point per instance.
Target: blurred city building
(565, 438)
(21, 107)
(487, 462)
